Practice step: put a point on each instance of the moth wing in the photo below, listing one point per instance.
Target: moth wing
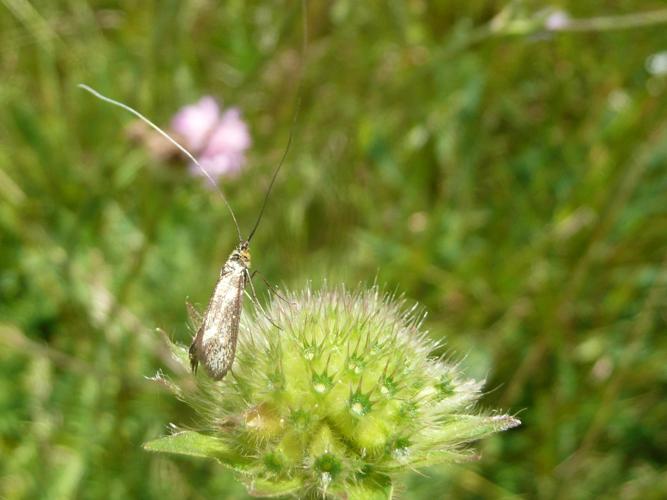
(195, 314)
(215, 342)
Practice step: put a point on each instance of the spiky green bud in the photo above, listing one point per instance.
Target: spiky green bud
(334, 395)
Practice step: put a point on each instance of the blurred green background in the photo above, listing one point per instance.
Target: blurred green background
(511, 180)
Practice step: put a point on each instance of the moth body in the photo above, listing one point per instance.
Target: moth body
(214, 344)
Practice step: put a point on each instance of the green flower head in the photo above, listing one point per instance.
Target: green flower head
(332, 394)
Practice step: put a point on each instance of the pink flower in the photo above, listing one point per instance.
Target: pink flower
(218, 141)
(194, 123)
(230, 134)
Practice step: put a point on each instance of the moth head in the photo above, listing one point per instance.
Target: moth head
(243, 253)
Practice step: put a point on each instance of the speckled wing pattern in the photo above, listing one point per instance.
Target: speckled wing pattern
(214, 344)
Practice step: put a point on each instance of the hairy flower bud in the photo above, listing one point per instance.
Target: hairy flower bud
(334, 395)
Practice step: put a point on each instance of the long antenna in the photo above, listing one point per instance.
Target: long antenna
(297, 105)
(170, 139)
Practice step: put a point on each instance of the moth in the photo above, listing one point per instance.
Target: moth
(214, 344)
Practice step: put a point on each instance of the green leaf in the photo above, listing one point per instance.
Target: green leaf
(168, 384)
(179, 352)
(266, 488)
(466, 428)
(189, 443)
(195, 444)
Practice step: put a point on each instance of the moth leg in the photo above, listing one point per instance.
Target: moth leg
(195, 316)
(194, 362)
(273, 288)
(254, 300)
